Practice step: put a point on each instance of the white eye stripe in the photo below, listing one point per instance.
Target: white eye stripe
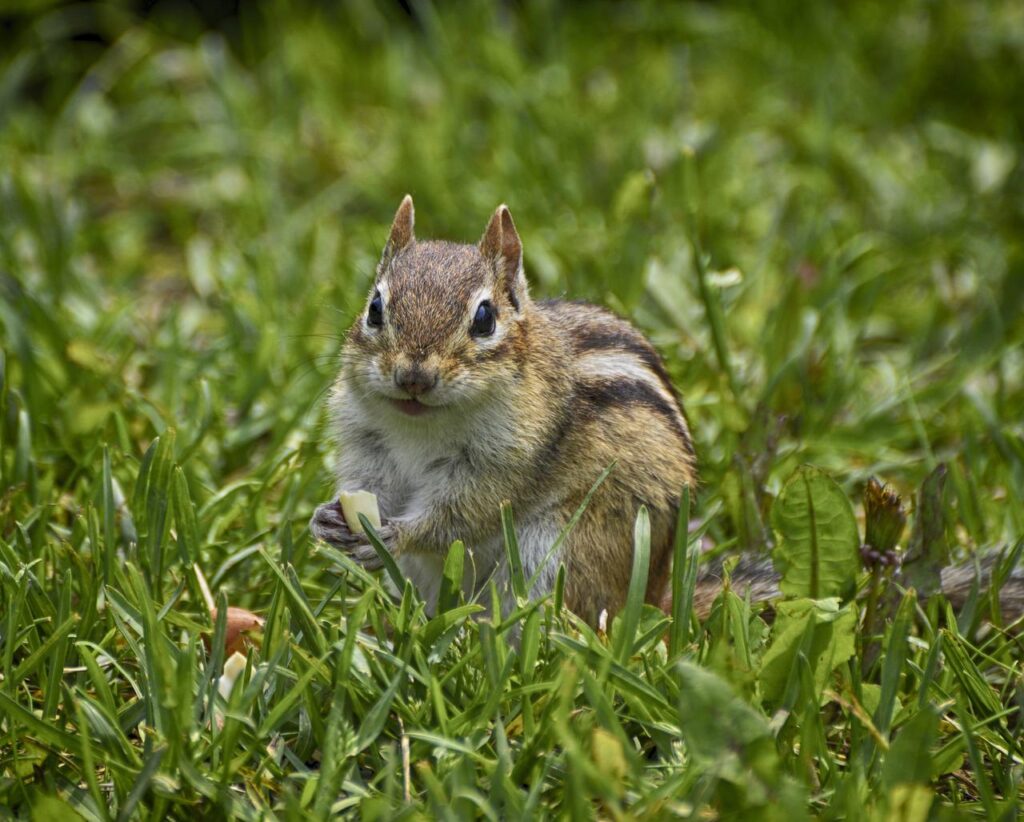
(477, 297)
(484, 294)
(380, 289)
(623, 365)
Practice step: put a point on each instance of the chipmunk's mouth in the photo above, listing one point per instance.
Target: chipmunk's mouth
(411, 407)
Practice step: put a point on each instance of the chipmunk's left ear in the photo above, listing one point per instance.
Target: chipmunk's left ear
(401, 229)
(503, 248)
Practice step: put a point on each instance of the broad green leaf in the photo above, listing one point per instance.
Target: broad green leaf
(822, 629)
(730, 739)
(718, 727)
(817, 554)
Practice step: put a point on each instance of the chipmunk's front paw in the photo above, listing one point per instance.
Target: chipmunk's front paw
(328, 524)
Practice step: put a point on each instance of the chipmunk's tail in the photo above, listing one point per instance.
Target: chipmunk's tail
(958, 581)
(756, 576)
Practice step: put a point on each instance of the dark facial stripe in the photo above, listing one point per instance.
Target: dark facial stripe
(514, 345)
(600, 395)
(498, 352)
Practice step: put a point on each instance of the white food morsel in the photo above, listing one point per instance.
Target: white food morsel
(232, 670)
(359, 502)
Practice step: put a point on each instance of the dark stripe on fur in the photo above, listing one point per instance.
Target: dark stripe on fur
(549, 455)
(606, 339)
(633, 392)
(609, 339)
(497, 353)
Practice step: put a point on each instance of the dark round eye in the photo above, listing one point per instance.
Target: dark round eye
(483, 320)
(375, 316)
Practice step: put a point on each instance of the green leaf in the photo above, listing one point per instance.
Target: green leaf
(720, 729)
(733, 639)
(927, 553)
(277, 714)
(151, 504)
(909, 758)
(907, 802)
(142, 781)
(44, 651)
(451, 581)
(109, 541)
(822, 629)
(817, 554)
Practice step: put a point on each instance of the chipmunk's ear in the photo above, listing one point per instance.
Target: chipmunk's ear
(401, 229)
(501, 246)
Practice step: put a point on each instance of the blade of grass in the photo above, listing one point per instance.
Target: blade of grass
(630, 616)
(397, 577)
(515, 561)
(683, 580)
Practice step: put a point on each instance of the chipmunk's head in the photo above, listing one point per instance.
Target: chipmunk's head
(444, 324)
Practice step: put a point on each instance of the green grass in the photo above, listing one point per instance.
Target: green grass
(815, 212)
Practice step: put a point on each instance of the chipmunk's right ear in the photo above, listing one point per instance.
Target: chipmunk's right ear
(401, 229)
(501, 245)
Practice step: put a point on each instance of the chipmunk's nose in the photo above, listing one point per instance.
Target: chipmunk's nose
(415, 379)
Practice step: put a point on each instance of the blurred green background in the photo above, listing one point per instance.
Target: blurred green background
(192, 200)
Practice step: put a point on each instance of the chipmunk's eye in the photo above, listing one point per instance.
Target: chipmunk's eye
(483, 320)
(375, 316)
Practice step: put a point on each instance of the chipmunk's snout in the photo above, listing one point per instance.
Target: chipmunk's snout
(416, 379)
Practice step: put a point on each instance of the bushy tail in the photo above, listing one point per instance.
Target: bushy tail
(756, 576)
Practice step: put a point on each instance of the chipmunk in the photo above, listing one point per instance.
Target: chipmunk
(458, 391)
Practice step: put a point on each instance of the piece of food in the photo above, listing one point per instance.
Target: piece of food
(232, 670)
(359, 502)
(240, 630)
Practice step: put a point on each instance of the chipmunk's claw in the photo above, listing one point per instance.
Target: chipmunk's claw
(328, 524)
